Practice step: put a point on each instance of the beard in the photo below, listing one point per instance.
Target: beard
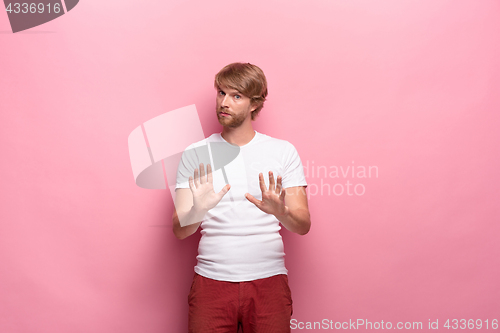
(232, 120)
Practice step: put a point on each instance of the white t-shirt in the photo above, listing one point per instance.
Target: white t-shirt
(239, 241)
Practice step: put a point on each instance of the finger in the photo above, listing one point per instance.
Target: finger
(223, 192)
(262, 183)
(196, 178)
(279, 185)
(191, 184)
(282, 195)
(202, 174)
(271, 181)
(253, 200)
(209, 174)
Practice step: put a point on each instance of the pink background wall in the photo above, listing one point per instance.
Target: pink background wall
(407, 87)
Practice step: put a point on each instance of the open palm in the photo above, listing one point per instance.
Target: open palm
(202, 188)
(272, 199)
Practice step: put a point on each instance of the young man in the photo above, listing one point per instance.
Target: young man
(240, 277)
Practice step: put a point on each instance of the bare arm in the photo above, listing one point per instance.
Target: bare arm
(297, 218)
(185, 211)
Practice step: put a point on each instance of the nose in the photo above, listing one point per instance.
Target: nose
(224, 101)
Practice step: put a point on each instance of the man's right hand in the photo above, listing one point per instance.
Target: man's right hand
(202, 188)
(192, 204)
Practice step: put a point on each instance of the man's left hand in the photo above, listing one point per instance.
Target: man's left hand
(272, 198)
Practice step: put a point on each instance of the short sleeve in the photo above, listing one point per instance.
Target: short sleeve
(293, 174)
(190, 160)
(185, 169)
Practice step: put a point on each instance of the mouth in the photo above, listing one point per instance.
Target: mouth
(224, 114)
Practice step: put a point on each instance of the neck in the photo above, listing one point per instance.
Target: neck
(239, 136)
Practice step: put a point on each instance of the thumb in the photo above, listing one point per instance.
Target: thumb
(224, 190)
(252, 199)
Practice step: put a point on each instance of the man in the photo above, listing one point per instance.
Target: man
(240, 277)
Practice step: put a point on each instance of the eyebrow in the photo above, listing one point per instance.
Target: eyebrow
(233, 91)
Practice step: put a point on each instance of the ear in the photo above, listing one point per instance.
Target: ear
(254, 105)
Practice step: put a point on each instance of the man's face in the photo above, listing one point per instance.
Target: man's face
(233, 108)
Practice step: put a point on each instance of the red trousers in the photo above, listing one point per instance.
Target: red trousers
(263, 305)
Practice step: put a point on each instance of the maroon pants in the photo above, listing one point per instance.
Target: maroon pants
(263, 305)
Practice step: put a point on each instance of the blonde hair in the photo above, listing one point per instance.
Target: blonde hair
(248, 79)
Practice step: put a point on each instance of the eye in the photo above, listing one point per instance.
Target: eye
(221, 93)
(237, 96)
